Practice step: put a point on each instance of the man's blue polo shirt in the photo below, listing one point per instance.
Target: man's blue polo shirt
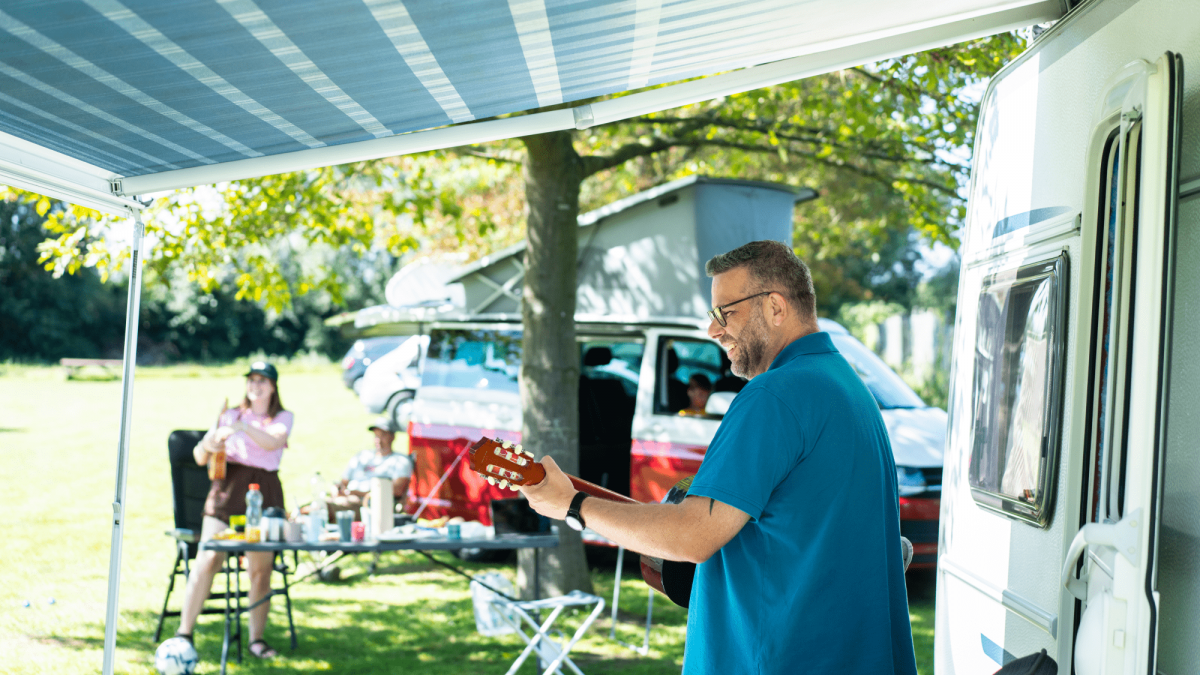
(814, 583)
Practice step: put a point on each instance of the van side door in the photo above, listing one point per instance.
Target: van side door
(671, 430)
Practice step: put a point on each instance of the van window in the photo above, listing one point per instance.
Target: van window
(612, 360)
(473, 359)
(696, 364)
(1017, 389)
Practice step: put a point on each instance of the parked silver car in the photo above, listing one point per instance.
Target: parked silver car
(390, 381)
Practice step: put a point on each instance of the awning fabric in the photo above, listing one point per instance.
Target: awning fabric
(115, 89)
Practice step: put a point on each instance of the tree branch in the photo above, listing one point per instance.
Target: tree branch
(484, 155)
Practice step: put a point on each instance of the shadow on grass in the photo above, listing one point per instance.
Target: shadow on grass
(411, 615)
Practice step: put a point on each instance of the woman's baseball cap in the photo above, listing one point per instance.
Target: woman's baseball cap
(263, 368)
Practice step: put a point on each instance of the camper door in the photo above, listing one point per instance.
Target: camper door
(1110, 564)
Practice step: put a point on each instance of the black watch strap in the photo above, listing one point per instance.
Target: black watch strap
(574, 518)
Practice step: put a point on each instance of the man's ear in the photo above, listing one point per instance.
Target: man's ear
(780, 309)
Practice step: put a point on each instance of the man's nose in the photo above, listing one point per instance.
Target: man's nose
(715, 330)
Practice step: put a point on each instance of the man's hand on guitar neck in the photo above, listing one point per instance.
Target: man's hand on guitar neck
(687, 532)
(551, 497)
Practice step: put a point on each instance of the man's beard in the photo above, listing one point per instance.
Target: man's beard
(751, 346)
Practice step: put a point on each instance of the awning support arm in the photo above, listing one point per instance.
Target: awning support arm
(132, 310)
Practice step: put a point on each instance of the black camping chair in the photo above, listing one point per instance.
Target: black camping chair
(189, 489)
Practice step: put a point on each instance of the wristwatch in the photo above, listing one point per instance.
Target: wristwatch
(574, 518)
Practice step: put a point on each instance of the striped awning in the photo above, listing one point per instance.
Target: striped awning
(103, 98)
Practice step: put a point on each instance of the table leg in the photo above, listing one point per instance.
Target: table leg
(237, 600)
(225, 641)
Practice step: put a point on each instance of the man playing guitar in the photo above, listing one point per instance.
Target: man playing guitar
(793, 517)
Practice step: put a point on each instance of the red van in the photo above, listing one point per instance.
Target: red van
(632, 436)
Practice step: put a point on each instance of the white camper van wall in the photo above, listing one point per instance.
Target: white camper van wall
(1017, 390)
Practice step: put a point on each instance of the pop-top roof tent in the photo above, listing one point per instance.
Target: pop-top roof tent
(103, 100)
(640, 258)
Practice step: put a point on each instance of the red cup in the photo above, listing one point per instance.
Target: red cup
(357, 530)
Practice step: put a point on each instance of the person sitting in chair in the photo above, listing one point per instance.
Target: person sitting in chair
(698, 389)
(253, 437)
(378, 462)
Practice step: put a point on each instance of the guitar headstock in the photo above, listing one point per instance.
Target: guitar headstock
(505, 464)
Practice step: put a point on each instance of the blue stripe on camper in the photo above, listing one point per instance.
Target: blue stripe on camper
(995, 652)
(1021, 221)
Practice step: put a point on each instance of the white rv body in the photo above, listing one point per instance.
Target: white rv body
(1072, 433)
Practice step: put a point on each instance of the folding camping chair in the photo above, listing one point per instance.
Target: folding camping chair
(189, 485)
(496, 614)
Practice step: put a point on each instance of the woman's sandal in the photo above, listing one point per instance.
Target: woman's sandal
(265, 651)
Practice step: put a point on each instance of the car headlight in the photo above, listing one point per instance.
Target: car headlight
(910, 480)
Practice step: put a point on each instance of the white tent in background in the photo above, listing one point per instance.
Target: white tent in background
(426, 281)
(102, 100)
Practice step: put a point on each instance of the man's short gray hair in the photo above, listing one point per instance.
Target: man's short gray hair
(773, 266)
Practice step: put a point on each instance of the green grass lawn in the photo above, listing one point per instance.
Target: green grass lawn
(58, 440)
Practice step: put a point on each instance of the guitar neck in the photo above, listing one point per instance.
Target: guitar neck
(597, 491)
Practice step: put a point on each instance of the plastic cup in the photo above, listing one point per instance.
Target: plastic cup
(454, 531)
(344, 521)
(357, 530)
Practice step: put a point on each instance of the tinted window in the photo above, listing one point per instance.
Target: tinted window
(699, 364)
(610, 360)
(889, 390)
(473, 359)
(1017, 388)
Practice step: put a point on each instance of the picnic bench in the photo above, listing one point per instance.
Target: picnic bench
(73, 366)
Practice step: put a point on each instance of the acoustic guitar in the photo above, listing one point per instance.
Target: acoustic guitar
(508, 466)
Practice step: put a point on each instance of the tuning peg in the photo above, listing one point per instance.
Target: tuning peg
(503, 484)
(506, 445)
(513, 487)
(491, 480)
(527, 452)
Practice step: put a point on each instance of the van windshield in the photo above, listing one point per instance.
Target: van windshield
(889, 390)
(473, 359)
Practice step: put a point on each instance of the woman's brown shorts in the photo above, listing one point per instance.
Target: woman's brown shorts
(227, 496)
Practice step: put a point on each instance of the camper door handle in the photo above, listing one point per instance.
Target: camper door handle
(1124, 537)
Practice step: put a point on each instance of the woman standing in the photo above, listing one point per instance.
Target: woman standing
(253, 436)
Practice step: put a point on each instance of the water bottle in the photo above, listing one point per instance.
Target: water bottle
(254, 512)
(318, 509)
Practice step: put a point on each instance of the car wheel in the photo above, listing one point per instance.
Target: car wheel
(399, 408)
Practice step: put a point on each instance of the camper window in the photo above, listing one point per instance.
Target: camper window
(1017, 390)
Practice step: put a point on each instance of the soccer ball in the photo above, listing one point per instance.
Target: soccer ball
(176, 656)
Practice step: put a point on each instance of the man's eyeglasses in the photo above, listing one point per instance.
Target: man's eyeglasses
(718, 313)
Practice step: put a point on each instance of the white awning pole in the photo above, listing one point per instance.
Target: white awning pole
(132, 310)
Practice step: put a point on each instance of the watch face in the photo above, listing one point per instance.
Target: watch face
(573, 523)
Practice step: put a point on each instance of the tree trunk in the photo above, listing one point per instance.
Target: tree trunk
(550, 357)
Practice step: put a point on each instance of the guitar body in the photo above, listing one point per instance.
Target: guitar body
(509, 466)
